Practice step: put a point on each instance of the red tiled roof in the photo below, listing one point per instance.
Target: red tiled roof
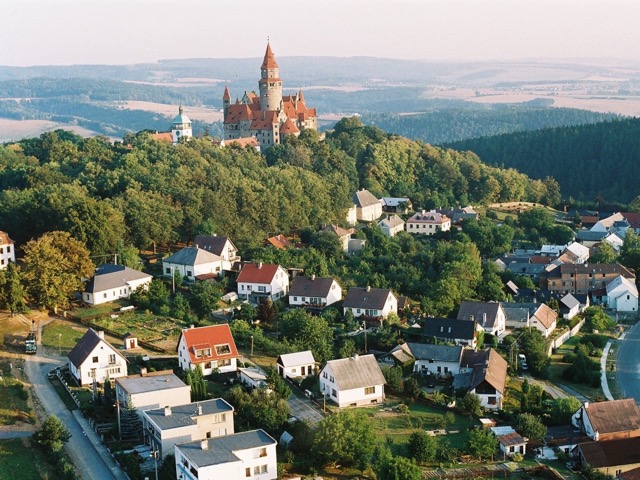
(279, 241)
(269, 59)
(545, 315)
(210, 337)
(225, 95)
(243, 142)
(4, 239)
(257, 273)
(289, 127)
(162, 137)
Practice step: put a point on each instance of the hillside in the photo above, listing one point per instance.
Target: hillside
(590, 162)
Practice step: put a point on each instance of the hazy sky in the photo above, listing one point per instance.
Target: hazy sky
(64, 32)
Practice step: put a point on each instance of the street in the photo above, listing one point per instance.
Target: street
(628, 364)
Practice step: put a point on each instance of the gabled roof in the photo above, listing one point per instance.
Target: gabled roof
(4, 239)
(288, 127)
(570, 301)
(449, 328)
(426, 351)
(487, 366)
(612, 453)
(213, 243)
(356, 372)
(394, 201)
(109, 276)
(338, 230)
(578, 249)
(633, 474)
(517, 312)
(589, 236)
(391, 221)
(428, 217)
(367, 298)
(162, 137)
(279, 241)
(545, 315)
(258, 273)
(597, 268)
(297, 358)
(208, 338)
(89, 341)
(485, 313)
(614, 415)
(364, 198)
(626, 284)
(192, 256)
(311, 286)
(511, 439)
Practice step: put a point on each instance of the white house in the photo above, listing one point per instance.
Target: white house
(615, 240)
(606, 224)
(94, 358)
(314, 291)
(247, 455)
(490, 316)
(580, 251)
(219, 245)
(112, 282)
(253, 377)
(569, 306)
(353, 381)
(262, 280)
(168, 426)
(296, 365)
(391, 225)
(343, 234)
(544, 319)
(512, 443)
(429, 359)
(211, 347)
(7, 250)
(368, 207)
(622, 295)
(192, 262)
(613, 419)
(370, 302)
(483, 373)
(428, 223)
(149, 390)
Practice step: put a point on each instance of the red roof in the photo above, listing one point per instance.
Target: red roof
(279, 241)
(258, 273)
(243, 142)
(208, 338)
(269, 59)
(225, 95)
(289, 127)
(4, 239)
(163, 137)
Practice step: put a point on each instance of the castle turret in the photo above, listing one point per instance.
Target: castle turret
(270, 84)
(226, 100)
(181, 127)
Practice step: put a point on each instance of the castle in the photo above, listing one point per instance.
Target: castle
(271, 117)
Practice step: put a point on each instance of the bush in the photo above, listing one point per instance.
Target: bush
(598, 341)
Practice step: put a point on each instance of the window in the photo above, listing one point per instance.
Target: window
(189, 273)
(334, 393)
(295, 299)
(9, 249)
(369, 390)
(223, 349)
(95, 359)
(262, 452)
(167, 270)
(112, 359)
(247, 472)
(262, 288)
(259, 469)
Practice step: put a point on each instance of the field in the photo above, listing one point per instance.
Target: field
(11, 130)
(16, 455)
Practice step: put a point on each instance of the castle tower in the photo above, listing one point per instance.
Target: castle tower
(226, 100)
(270, 83)
(181, 127)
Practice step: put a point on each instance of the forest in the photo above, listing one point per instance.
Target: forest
(595, 162)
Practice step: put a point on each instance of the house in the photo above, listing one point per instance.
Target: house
(613, 419)
(252, 377)
(246, 455)
(612, 457)
(544, 319)
(192, 262)
(396, 204)
(512, 443)
(94, 359)
(458, 215)
(343, 234)
(149, 390)
(580, 252)
(569, 306)
(517, 314)
(296, 365)
(633, 474)
(551, 250)
(211, 347)
(370, 302)
(606, 224)
(490, 316)
(112, 282)
(428, 223)
(262, 280)
(218, 245)
(585, 278)
(169, 426)
(564, 437)
(458, 332)
(240, 142)
(368, 207)
(391, 225)
(622, 295)
(7, 250)
(314, 291)
(279, 241)
(483, 373)
(428, 359)
(616, 240)
(353, 381)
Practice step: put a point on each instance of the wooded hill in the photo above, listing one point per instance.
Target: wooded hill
(590, 162)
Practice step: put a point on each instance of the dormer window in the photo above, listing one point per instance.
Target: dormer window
(223, 349)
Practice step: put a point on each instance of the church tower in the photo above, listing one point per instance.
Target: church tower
(181, 127)
(226, 100)
(270, 83)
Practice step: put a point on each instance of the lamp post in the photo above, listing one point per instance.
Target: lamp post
(251, 345)
(154, 454)
(364, 325)
(59, 344)
(118, 414)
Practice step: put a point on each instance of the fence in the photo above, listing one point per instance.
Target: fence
(557, 342)
(66, 386)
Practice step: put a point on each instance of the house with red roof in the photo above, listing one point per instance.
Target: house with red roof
(262, 280)
(211, 347)
(7, 250)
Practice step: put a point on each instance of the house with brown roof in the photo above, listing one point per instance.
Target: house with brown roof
(428, 223)
(613, 419)
(612, 457)
(633, 474)
(490, 316)
(368, 207)
(512, 443)
(544, 319)
(317, 292)
(370, 302)
(353, 381)
(93, 358)
(211, 347)
(483, 373)
(279, 241)
(343, 234)
(584, 278)
(7, 250)
(391, 225)
(218, 245)
(262, 280)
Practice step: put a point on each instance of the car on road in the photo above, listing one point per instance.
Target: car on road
(523, 362)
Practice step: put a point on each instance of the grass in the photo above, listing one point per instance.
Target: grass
(61, 337)
(13, 399)
(29, 462)
(102, 309)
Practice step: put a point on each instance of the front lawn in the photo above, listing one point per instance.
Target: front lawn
(17, 460)
(59, 337)
(13, 398)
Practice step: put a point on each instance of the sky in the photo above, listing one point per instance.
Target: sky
(67, 32)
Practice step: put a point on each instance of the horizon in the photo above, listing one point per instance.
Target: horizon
(117, 32)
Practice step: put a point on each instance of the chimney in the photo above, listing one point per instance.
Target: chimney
(586, 405)
(368, 288)
(204, 444)
(167, 411)
(355, 357)
(143, 371)
(313, 277)
(192, 326)
(199, 409)
(259, 265)
(484, 319)
(101, 334)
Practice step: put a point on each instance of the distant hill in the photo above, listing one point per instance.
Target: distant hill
(588, 161)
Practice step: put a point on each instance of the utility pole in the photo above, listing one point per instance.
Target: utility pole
(251, 345)
(364, 325)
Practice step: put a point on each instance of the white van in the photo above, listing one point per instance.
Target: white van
(523, 361)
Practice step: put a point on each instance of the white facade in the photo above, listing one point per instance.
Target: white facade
(192, 262)
(352, 215)
(253, 377)
(332, 296)
(296, 365)
(357, 393)
(208, 367)
(370, 212)
(7, 251)
(390, 306)
(142, 394)
(100, 362)
(115, 293)
(391, 226)
(622, 295)
(436, 367)
(428, 223)
(275, 288)
(181, 127)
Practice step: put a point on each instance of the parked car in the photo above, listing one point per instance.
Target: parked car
(523, 362)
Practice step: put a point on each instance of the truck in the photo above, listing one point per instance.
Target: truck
(30, 343)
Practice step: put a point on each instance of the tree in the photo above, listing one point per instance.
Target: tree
(205, 298)
(258, 409)
(267, 310)
(345, 438)
(597, 319)
(348, 349)
(54, 267)
(482, 443)
(195, 378)
(12, 292)
(562, 409)
(308, 332)
(52, 432)
(422, 446)
(277, 384)
(471, 404)
(534, 346)
(398, 468)
(393, 376)
(530, 426)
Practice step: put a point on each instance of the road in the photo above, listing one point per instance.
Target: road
(628, 364)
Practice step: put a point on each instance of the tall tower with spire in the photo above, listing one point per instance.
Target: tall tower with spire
(270, 84)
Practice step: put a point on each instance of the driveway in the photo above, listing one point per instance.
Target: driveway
(628, 364)
(304, 409)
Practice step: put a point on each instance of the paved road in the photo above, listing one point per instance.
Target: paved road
(628, 364)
